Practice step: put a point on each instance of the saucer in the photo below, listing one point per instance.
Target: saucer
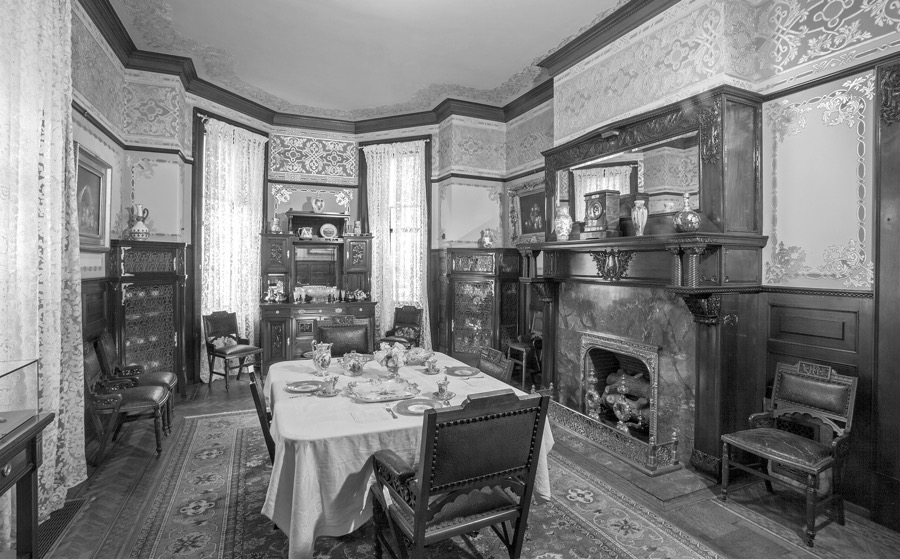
(425, 371)
(446, 397)
(304, 386)
(326, 394)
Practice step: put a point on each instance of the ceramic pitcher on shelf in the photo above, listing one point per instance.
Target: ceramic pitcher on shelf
(139, 230)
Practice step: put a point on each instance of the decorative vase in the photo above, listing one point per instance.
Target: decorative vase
(318, 205)
(639, 217)
(487, 239)
(275, 226)
(687, 220)
(139, 230)
(563, 223)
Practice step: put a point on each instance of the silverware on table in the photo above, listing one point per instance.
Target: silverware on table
(390, 410)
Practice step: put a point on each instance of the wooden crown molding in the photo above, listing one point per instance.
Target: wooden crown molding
(624, 20)
(107, 21)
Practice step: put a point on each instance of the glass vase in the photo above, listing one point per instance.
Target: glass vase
(687, 220)
(639, 217)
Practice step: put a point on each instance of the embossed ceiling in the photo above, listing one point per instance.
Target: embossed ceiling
(360, 59)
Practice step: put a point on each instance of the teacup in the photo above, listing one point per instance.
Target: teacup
(431, 365)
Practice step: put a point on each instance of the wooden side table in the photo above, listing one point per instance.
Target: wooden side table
(20, 457)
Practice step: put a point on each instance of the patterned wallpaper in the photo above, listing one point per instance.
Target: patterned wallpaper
(526, 136)
(154, 112)
(316, 157)
(97, 74)
(817, 186)
(671, 57)
(472, 146)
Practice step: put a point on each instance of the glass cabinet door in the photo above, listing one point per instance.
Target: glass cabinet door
(473, 315)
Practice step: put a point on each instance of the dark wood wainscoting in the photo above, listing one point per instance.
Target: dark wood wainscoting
(836, 330)
(95, 318)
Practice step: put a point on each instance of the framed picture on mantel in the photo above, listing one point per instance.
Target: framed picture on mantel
(527, 212)
(92, 185)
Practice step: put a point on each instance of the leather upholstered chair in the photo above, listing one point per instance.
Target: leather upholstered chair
(345, 333)
(265, 416)
(407, 328)
(803, 440)
(121, 401)
(492, 362)
(223, 342)
(114, 369)
(476, 468)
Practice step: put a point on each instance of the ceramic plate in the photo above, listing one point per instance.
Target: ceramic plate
(462, 371)
(417, 406)
(382, 391)
(304, 386)
(328, 231)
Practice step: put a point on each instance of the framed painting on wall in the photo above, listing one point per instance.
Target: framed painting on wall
(528, 203)
(92, 180)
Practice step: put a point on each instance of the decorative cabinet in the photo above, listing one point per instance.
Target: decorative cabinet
(288, 330)
(148, 280)
(482, 300)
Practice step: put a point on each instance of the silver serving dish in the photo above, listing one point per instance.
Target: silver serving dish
(378, 390)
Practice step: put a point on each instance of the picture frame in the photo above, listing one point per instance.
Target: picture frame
(93, 178)
(528, 212)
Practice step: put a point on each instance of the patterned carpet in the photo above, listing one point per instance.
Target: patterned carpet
(208, 504)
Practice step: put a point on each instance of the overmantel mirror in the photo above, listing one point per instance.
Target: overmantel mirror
(661, 155)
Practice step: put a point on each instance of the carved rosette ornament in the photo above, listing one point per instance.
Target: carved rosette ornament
(890, 94)
(612, 264)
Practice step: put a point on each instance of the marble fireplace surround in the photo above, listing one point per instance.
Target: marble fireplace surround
(651, 325)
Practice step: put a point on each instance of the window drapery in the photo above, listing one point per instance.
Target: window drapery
(398, 218)
(40, 277)
(233, 185)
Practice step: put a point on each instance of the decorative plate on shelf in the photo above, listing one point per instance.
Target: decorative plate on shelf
(417, 406)
(462, 371)
(328, 231)
(304, 386)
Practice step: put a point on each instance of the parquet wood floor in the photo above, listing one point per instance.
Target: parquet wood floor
(751, 525)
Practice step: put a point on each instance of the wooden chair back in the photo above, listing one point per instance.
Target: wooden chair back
(221, 324)
(492, 362)
(259, 399)
(808, 391)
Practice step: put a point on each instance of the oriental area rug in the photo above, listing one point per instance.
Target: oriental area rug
(207, 506)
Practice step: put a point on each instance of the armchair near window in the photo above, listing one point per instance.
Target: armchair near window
(803, 438)
(407, 328)
(476, 468)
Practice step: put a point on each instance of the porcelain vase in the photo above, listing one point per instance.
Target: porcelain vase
(639, 217)
(687, 220)
(139, 231)
(318, 205)
(562, 225)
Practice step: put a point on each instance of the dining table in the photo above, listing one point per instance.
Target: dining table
(324, 443)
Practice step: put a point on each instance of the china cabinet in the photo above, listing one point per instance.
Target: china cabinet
(148, 282)
(482, 295)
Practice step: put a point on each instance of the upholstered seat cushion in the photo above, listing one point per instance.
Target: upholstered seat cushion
(345, 339)
(464, 509)
(782, 446)
(237, 350)
(158, 378)
(140, 398)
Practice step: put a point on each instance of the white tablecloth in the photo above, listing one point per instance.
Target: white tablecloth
(323, 449)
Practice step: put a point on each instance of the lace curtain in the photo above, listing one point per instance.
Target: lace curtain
(233, 186)
(398, 217)
(40, 277)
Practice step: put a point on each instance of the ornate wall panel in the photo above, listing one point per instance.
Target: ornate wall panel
(154, 112)
(527, 136)
(473, 146)
(469, 207)
(817, 186)
(97, 76)
(675, 55)
(313, 157)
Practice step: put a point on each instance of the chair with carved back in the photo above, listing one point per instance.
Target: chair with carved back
(492, 362)
(345, 334)
(121, 401)
(113, 368)
(265, 416)
(528, 346)
(223, 341)
(803, 438)
(407, 328)
(476, 468)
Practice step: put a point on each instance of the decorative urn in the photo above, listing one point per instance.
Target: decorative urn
(562, 225)
(687, 220)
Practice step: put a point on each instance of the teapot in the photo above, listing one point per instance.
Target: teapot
(353, 364)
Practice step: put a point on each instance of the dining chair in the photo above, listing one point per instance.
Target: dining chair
(265, 416)
(114, 369)
(476, 468)
(345, 334)
(407, 328)
(223, 341)
(802, 439)
(492, 362)
(121, 401)
(528, 346)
